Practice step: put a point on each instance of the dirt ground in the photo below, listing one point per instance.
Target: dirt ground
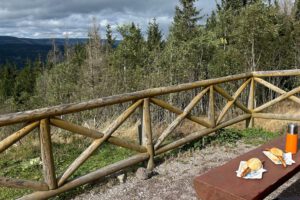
(175, 176)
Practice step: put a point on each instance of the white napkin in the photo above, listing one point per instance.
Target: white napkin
(252, 175)
(286, 156)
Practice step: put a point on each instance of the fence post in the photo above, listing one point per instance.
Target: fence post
(140, 134)
(147, 132)
(211, 111)
(251, 102)
(47, 155)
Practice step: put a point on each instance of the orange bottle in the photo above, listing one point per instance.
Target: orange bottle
(291, 143)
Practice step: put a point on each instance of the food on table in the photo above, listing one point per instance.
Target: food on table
(253, 164)
(279, 154)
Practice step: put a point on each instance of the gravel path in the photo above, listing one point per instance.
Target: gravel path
(175, 176)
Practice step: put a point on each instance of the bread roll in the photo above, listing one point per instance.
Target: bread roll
(254, 164)
(277, 152)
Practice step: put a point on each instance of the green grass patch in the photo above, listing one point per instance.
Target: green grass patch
(24, 162)
(258, 136)
(230, 136)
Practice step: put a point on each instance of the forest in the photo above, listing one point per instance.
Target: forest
(239, 36)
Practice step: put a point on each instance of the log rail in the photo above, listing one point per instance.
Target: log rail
(44, 118)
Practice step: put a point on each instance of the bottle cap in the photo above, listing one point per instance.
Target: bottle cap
(293, 129)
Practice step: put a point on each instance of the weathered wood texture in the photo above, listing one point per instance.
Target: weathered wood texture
(23, 184)
(211, 110)
(278, 73)
(251, 104)
(13, 138)
(148, 133)
(47, 155)
(290, 117)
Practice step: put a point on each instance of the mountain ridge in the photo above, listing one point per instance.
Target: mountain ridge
(18, 50)
(4, 40)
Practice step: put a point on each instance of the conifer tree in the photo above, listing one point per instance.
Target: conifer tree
(211, 21)
(130, 52)
(8, 72)
(234, 5)
(154, 36)
(155, 45)
(110, 40)
(184, 26)
(79, 54)
(130, 56)
(24, 85)
(180, 49)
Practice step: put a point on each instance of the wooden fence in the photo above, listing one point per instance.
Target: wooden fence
(44, 118)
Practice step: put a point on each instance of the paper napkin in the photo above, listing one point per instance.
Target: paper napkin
(252, 175)
(286, 156)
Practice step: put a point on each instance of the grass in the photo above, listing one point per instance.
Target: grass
(230, 136)
(24, 162)
(258, 136)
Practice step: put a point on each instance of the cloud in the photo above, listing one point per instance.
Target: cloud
(55, 18)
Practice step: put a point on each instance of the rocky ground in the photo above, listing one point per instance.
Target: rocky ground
(175, 175)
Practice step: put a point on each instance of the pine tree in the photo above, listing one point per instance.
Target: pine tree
(186, 20)
(211, 21)
(154, 36)
(235, 5)
(78, 54)
(130, 52)
(155, 46)
(7, 80)
(24, 85)
(110, 40)
(232, 4)
(130, 56)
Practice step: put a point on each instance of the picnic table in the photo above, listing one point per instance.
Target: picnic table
(221, 183)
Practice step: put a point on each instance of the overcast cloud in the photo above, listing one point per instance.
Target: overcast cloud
(56, 18)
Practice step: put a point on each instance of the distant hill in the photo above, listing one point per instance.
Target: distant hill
(4, 40)
(18, 50)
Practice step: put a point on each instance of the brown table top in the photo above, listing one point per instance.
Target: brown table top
(221, 183)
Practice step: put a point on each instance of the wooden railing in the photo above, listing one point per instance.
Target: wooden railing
(46, 117)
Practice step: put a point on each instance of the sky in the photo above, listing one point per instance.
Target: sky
(72, 18)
